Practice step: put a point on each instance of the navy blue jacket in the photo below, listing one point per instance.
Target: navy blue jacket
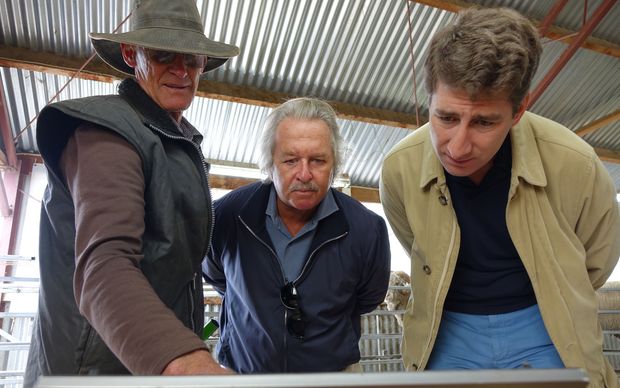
(346, 274)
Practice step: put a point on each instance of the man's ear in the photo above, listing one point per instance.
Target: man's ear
(524, 104)
(129, 54)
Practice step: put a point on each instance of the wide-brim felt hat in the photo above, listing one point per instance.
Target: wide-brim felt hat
(167, 25)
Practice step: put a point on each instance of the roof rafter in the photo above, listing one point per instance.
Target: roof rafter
(596, 124)
(607, 155)
(553, 32)
(99, 71)
(362, 194)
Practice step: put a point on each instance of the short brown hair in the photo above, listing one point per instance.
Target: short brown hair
(485, 50)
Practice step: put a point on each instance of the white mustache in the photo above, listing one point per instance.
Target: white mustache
(299, 186)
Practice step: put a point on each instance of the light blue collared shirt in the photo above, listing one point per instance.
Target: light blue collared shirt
(292, 251)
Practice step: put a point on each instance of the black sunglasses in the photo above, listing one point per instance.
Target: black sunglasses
(168, 57)
(294, 317)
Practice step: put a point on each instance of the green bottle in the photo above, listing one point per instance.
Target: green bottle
(209, 329)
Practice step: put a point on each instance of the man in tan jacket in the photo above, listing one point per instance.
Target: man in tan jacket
(510, 219)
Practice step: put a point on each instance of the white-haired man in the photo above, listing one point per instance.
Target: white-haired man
(296, 262)
(126, 217)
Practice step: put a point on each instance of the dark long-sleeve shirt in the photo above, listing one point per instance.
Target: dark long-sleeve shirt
(490, 277)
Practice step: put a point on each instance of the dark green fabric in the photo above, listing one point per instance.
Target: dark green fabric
(178, 225)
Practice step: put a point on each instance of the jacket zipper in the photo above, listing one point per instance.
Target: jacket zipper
(303, 271)
(266, 246)
(309, 261)
(274, 256)
(205, 171)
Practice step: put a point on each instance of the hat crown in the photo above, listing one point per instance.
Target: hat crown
(176, 14)
(168, 25)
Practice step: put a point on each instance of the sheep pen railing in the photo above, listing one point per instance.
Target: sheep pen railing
(379, 343)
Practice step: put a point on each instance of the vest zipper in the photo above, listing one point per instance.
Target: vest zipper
(205, 171)
(191, 302)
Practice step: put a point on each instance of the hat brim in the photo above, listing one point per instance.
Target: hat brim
(182, 41)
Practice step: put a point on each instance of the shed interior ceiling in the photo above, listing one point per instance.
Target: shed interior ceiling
(358, 55)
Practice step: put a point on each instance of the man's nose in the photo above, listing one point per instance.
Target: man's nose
(304, 174)
(178, 67)
(459, 145)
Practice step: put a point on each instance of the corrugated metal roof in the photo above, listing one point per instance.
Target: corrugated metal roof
(587, 88)
(231, 130)
(27, 92)
(351, 51)
(572, 16)
(347, 50)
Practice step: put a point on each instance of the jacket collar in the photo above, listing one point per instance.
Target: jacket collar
(526, 161)
(151, 113)
(253, 215)
(431, 168)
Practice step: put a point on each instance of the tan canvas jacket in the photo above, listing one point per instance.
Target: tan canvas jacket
(562, 216)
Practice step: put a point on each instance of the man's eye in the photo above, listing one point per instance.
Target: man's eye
(447, 119)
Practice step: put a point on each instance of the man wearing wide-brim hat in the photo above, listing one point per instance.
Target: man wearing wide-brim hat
(127, 217)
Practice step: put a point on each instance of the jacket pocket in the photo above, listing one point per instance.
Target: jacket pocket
(93, 357)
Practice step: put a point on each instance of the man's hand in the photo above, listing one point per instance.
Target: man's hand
(198, 362)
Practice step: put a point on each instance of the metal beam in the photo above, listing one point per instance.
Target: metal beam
(553, 32)
(362, 194)
(26, 163)
(11, 156)
(5, 208)
(550, 18)
(97, 70)
(585, 31)
(5, 129)
(10, 183)
(606, 155)
(599, 123)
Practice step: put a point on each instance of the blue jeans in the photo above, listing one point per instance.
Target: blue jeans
(501, 341)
